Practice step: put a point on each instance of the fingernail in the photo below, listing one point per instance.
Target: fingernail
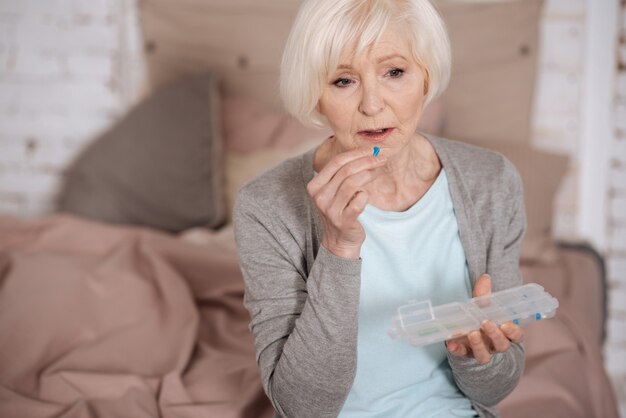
(474, 337)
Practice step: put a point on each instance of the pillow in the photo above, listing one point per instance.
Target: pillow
(160, 166)
(241, 168)
(250, 126)
(541, 174)
(494, 62)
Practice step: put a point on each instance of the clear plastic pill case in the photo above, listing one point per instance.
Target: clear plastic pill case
(419, 323)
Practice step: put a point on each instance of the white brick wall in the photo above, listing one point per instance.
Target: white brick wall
(68, 69)
(615, 351)
(618, 207)
(620, 113)
(556, 115)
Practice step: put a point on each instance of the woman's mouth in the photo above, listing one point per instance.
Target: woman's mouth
(376, 135)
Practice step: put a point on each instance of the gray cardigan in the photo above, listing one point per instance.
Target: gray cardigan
(303, 300)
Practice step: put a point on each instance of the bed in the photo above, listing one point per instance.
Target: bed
(127, 302)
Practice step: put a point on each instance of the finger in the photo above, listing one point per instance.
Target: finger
(335, 164)
(359, 173)
(343, 203)
(479, 347)
(499, 341)
(355, 168)
(482, 286)
(458, 347)
(335, 196)
(513, 332)
(355, 207)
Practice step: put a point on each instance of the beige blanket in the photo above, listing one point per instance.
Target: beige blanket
(110, 321)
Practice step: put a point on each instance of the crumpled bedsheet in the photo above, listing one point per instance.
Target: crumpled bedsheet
(98, 320)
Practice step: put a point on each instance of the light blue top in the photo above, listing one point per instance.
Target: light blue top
(416, 254)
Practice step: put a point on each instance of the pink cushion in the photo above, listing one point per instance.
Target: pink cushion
(250, 126)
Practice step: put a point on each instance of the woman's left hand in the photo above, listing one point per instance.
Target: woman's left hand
(490, 338)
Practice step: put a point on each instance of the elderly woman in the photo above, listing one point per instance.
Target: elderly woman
(333, 241)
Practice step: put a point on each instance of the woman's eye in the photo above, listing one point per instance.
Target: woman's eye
(343, 82)
(396, 72)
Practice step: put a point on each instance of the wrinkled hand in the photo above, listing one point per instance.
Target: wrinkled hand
(337, 191)
(490, 338)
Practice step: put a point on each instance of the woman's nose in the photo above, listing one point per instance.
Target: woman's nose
(372, 101)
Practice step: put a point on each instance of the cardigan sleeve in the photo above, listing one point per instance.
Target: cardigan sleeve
(304, 327)
(487, 385)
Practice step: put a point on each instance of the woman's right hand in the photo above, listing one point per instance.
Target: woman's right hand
(337, 191)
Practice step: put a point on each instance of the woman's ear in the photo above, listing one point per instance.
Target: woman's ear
(318, 109)
(426, 80)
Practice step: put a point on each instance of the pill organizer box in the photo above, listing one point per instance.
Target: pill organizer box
(419, 323)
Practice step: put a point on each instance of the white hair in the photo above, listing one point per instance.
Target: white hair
(324, 28)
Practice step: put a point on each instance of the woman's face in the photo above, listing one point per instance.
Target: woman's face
(375, 99)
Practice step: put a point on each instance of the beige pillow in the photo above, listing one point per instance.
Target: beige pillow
(241, 168)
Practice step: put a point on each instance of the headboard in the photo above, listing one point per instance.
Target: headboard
(240, 40)
(494, 55)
